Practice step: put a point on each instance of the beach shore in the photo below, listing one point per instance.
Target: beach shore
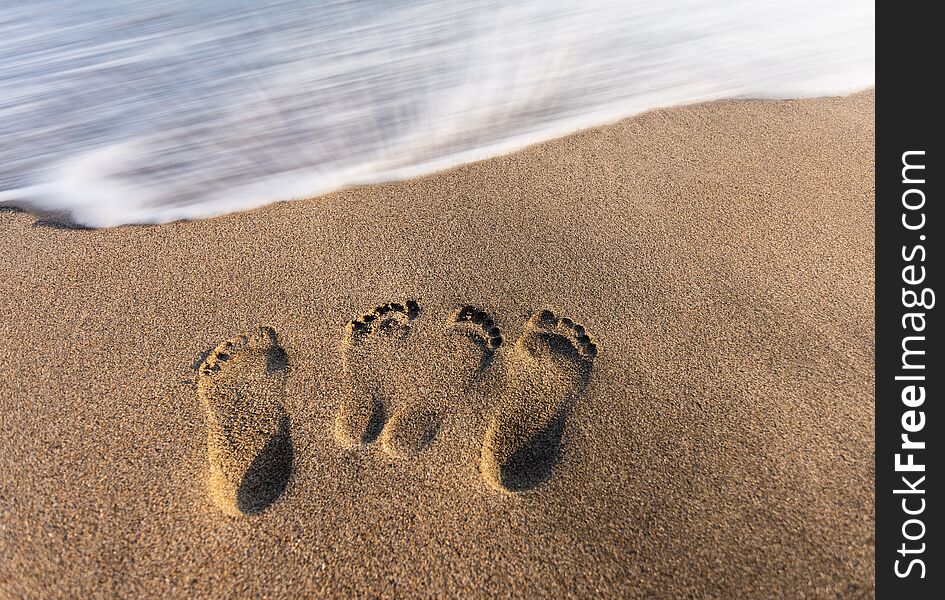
(714, 437)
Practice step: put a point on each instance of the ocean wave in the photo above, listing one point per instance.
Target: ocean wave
(115, 112)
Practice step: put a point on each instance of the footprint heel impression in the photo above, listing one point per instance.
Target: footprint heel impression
(241, 386)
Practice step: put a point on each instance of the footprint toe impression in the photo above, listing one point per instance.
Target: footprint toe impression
(241, 385)
(478, 327)
(549, 368)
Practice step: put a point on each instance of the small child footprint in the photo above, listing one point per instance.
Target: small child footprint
(471, 344)
(374, 352)
(549, 368)
(241, 385)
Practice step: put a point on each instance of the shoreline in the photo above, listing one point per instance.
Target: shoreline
(576, 126)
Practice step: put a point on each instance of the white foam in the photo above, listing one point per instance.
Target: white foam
(145, 112)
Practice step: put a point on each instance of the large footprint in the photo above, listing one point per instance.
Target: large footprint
(549, 367)
(374, 351)
(241, 386)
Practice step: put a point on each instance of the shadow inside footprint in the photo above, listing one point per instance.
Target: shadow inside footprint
(533, 463)
(486, 356)
(277, 360)
(268, 475)
(376, 423)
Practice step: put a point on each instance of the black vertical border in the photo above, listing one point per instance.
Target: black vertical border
(909, 68)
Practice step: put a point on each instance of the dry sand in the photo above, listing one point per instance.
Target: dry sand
(716, 440)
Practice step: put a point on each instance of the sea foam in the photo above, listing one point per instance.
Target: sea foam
(119, 111)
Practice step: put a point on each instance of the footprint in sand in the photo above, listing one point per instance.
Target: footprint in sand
(549, 368)
(381, 353)
(241, 385)
(374, 352)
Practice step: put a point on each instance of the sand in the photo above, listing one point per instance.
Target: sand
(695, 416)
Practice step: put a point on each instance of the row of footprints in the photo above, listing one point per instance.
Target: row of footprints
(241, 385)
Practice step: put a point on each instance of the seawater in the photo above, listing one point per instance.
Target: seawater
(119, 111)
